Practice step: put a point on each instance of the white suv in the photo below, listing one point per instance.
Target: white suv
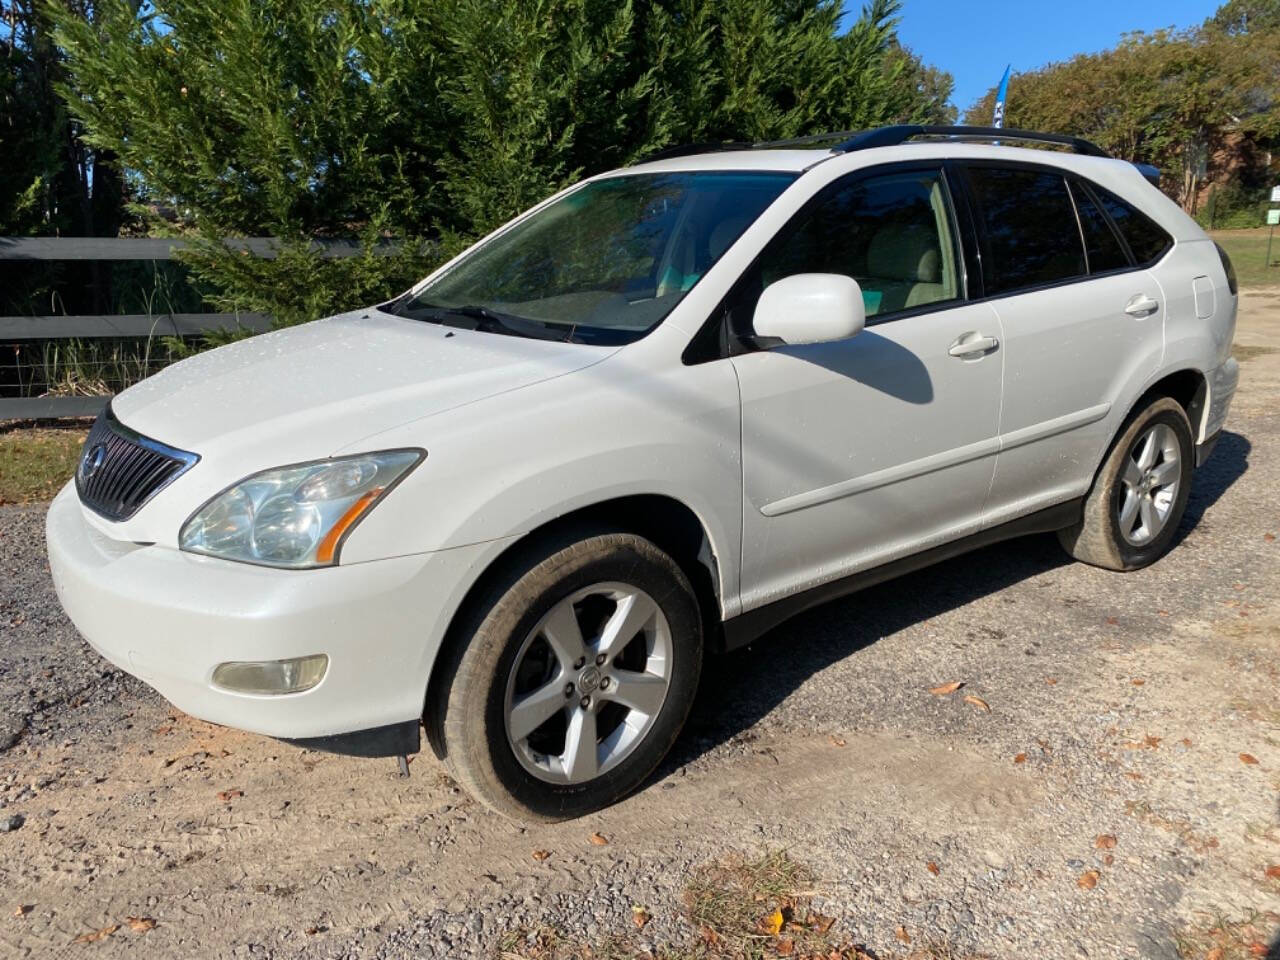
(652, 417)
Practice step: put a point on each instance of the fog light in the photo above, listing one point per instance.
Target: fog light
(272, 676)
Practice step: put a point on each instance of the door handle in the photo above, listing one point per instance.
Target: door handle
(972, 344)
(1140, 305)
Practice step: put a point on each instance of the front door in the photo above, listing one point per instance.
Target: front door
(859, 451)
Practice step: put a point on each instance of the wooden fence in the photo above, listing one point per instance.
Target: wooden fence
(20, 329)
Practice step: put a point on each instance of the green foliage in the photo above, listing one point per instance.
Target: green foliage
(418, 124)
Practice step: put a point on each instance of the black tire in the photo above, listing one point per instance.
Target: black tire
(466, 709)
(1097, 538)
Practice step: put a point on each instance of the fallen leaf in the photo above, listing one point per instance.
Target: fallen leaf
(1112, 621)
(639, 916)
(1257, 949)
(821, 923)
(1248, 758)
(932, 868)
(225, 796)
(785, 947)
(947, 688)
(1133, 776)
(1087, 880)
(1020, 758)
(22, 909)
(1185, 741)
(97, 934)
(598, 839)
(1051, 680)
(771, 923)
(709, 936)
(1105, 841)
(541, 855)
(161, 731)
(902, 935)
(1137, 681)
(140, 924)
(1273, 872)
(1152, 742)
(1268, 537)
(1214, 954)
(1108, 859)
(837, 741)
(977, 702)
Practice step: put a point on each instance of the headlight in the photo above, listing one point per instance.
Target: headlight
(295, 516)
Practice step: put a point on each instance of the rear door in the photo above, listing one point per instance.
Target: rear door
(1081, 322)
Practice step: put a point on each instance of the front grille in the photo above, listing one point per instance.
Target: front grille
(120, 469)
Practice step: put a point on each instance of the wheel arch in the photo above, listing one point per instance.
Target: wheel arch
(669, 523)
(1189, 387)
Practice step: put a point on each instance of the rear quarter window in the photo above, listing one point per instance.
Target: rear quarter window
(1028, 228)
(1146, 238)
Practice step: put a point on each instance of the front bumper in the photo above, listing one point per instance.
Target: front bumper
(169, 618)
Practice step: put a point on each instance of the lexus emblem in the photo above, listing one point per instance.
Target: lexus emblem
(92, 461)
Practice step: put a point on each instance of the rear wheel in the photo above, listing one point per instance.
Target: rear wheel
(1138, 498)
(575, 682)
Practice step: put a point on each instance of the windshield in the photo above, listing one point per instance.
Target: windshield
(603, 264)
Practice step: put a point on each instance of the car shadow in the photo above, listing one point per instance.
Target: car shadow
(740, 688)
(1227, 464)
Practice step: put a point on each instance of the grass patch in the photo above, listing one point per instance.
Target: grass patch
(36, 461)
(738, 908)
(1244, 352)
(1248, 252)
(1223, 939)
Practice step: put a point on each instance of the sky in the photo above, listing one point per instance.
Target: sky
(974, 42)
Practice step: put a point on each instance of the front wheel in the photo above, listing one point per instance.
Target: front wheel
(576, 679)
(1138, 498)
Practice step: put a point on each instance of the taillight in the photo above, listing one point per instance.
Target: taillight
(1226, 265)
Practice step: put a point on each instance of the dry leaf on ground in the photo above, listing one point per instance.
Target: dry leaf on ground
(1087, 880)
(22, 909)
(946, 688)
(821, 923)
(97, 934)
(599, 839)
(977, 702)
(932, 868)
(1137, 681)
(1273, 872)
(1020, 758)
(639, 916)
(837, 741)
(771, 923)
(140, 924)
(902, 935)
(541, 855)
(227, 795)
(1248, 758)
(1105, 841)
(785, 947)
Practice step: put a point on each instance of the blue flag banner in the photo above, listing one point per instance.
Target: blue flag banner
(998, 119)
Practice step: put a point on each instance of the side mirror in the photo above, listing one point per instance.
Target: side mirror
(810, 308)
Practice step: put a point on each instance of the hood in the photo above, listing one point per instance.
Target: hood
(305, 392)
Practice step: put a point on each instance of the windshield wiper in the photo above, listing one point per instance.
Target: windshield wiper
(491, 321)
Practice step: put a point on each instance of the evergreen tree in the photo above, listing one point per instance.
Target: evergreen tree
(419, 124)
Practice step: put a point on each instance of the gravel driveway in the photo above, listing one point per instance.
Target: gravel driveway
(1120, 797)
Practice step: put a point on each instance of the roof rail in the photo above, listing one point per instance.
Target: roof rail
(895, 135)
(686, 149)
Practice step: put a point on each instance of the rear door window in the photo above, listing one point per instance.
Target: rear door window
(1102, 246)
(1027, 225)
(1146, 238)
